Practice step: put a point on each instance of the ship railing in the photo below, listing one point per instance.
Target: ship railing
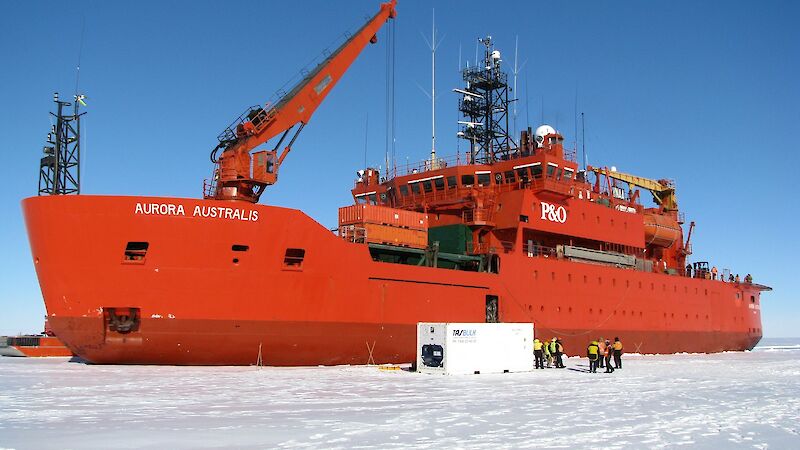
(436, 195)
(429, 193)
(571, 154)
(257, 115)
(482, 248)
(476, 215)
(539, 251)
(550, 185)
(24, 341)
(428, 165)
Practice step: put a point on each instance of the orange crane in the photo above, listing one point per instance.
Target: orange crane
(233, 178)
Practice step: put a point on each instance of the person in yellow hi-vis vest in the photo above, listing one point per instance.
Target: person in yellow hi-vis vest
(547, 355)
(593, 352)
(538, 353)
(617, 353)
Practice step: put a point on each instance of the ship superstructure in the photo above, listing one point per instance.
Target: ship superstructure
(513, 230)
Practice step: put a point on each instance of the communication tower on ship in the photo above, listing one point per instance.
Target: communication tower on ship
(60, 168)
(485, 108)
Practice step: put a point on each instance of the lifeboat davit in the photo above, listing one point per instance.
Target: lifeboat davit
(661, 230)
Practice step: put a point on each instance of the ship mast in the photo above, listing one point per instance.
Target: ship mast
(60, 169)
(485, 107)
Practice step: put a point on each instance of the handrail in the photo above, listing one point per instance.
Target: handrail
(541, 251)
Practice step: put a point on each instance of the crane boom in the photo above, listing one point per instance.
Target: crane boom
(663, 191)
(233, 179)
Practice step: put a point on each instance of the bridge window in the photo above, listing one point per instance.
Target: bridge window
(427, 186)
(403, 190)
(484, 179)
(451, 182)
(536, 170)
(522, 173)
(415, 188)
(558, 175)
(510, 177)
(467, 180)
(568, 174)
(439, 183)
(551, 169)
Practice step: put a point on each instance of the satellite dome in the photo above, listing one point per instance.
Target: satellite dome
(543, 131)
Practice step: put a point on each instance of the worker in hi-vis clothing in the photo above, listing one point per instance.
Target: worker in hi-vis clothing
(547, 355)
(617, 353)
(593, 352)
(538, 353)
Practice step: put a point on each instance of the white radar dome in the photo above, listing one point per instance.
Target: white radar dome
(543, 131)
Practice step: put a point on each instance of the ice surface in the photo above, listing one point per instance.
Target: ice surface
(729, 400)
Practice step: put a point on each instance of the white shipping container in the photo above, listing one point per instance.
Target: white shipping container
(469, 348)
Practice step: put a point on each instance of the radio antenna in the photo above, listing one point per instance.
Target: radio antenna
(433, 45)
(366, 137)
(575, 119)
(583, 140)
(80, 53)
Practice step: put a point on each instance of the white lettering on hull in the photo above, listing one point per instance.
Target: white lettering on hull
(206, 212)
(221, 212)
(553, 214)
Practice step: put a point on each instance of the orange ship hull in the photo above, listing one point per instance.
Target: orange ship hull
(217, 285)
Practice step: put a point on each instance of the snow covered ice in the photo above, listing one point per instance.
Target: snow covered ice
(729, 400)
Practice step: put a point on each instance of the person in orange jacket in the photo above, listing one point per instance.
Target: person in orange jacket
(601, 345)
(617, 353)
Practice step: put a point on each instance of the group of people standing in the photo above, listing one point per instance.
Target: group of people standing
(551, 352)
(713, 274)
(600, 352)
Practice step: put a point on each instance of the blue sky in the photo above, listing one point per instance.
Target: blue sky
(705, 93)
